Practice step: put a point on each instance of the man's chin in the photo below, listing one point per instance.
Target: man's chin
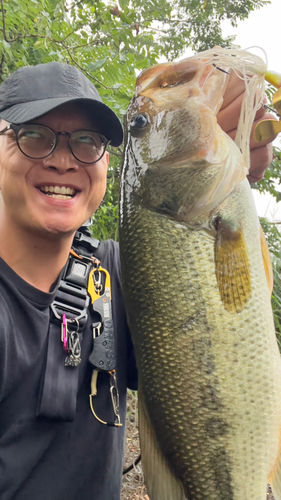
(58, 231)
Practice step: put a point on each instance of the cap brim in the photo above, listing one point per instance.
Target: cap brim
(110, 125)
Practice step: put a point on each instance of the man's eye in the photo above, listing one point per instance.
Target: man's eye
(87, 139)
(32, 134)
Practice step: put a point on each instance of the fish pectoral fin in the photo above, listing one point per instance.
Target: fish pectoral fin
(161, 483)
(232, 267)
(267, 262)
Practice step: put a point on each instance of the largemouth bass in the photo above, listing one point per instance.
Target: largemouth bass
(196, 273)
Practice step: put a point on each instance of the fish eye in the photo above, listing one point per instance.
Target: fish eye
(139, 121)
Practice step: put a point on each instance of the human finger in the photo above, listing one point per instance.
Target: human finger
(228, 117)
(261, 158)
(234, 88)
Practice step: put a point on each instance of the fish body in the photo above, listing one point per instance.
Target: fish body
(196, 294)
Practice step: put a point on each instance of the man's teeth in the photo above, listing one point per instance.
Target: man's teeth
(59, 192)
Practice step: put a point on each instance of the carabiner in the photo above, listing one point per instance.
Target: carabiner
(114, 398)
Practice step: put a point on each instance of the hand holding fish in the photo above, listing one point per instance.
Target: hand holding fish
(260, 153)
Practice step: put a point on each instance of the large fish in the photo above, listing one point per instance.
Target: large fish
(196, 279)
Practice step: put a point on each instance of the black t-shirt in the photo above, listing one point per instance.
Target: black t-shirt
(44, 459)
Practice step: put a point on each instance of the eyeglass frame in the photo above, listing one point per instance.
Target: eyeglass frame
(16, 129)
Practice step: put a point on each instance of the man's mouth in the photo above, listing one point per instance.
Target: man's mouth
(58, 192)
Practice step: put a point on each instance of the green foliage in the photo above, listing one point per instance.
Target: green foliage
(276, 297)
(273, 237)
(108, 42)
(105, 224)
(111, 43)
(272, 177)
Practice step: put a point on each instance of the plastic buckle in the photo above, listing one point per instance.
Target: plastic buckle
(72, 298)
(86, 241)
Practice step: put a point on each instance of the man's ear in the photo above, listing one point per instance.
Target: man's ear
(106, 157)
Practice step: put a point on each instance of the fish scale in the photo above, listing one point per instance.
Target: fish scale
(209, 375)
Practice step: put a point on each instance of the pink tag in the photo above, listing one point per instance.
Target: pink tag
(64, 332)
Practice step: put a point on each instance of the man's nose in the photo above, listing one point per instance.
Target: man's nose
(62, 159)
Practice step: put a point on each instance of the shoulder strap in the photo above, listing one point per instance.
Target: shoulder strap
(69, 313)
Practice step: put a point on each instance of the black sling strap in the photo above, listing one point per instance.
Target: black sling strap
(68, 320)
(60, 382)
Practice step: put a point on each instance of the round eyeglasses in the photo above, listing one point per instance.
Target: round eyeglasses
(38, 141)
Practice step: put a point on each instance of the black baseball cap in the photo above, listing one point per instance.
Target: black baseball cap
(33, 91)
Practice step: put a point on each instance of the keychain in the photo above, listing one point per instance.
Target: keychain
(71, 342)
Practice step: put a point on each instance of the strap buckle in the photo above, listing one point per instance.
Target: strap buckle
(72, 298)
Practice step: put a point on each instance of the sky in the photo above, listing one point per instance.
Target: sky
(262, 28)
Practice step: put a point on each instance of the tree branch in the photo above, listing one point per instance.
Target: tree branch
(119, 154)
(4, 25)
(83, 70)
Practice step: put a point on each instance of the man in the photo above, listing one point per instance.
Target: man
(56, 443)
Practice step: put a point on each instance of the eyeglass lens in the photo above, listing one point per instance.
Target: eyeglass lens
(38, 141)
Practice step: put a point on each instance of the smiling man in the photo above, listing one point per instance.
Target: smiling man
(65, 351)
(46, 192)
(54, 132)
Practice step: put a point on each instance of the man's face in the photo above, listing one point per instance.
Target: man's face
(25, 181)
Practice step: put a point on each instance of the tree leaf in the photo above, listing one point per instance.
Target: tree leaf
(123, 3)
(98, 64)
(6, 44)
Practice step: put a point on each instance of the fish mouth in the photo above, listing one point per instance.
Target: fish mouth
(176, 76)
(165, 85)
(58, 192)
(170, 85)
(168, 76)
